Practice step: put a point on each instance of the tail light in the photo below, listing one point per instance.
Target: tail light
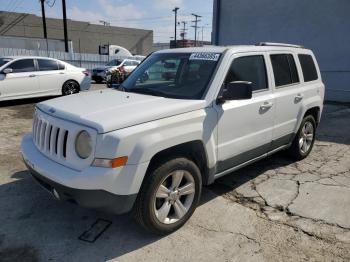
(86, 73)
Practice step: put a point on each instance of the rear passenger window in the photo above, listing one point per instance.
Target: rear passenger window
(284, 69)
(47, 65)
(249, 68)
(308, 67)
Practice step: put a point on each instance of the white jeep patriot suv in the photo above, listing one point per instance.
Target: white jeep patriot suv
(149, 146)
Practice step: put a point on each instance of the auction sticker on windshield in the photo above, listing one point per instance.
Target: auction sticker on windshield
(204, 56)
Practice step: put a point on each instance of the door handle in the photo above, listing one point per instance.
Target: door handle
(299, 97)
(62, 73)
(266, 105)
(32, 75)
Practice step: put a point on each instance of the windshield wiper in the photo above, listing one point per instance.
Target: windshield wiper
(146, 91)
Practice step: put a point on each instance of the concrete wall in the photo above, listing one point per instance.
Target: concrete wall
(323, 26)
(86, 37)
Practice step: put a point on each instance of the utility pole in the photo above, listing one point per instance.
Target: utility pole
(175, 33)
(65, 26)
(195, 27)
(44, 23)
(183, 33)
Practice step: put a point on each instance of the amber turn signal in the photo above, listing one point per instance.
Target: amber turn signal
(111, 163)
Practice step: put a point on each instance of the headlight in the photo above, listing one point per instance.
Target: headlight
(83, 144)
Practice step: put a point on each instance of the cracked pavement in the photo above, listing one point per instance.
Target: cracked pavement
(273, 210)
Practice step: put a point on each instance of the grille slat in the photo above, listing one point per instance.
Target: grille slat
(42, 135)
(38, 133)
(53, 140)
(60, 141)
(46, 137)
(56, 140)
(34, 125)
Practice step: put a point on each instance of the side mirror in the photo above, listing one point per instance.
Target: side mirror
(7, 70)
(237, 90)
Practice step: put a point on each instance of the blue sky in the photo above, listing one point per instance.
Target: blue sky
(148, 14)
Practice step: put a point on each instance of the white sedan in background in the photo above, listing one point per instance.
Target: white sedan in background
(25, 77)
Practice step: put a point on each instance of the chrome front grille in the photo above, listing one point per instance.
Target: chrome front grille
(50, 139)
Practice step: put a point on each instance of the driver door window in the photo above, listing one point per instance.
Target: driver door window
(22, 66)
(251, 69)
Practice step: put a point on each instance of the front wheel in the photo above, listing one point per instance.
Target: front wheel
(70, 87)
(304, 139)
(169, 196)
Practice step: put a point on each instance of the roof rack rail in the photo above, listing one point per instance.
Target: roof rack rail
(278, 44)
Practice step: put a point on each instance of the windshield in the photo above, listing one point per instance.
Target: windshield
(114, 62)
(173, 75)
(4, 61)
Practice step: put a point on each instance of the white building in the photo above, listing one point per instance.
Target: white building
(321, 25)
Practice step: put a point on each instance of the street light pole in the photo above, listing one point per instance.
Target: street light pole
(175, 33)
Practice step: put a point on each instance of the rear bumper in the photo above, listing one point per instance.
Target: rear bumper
(85, 84)
(97, 199)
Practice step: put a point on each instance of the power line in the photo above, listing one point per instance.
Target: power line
(50, 5)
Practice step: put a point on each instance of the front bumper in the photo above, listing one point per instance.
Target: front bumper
(114, 190)
(97, 199)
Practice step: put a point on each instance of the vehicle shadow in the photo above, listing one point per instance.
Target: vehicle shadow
(32, 220)
(334, 126)
(26, 101)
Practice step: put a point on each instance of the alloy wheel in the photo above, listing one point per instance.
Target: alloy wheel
(306, 137)
(174, 196)
(70, 88)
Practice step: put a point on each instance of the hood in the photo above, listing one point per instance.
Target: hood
(108, 110)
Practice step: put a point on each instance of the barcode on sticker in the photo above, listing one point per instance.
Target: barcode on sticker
(205, 56)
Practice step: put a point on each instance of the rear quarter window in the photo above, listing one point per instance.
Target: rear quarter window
(308, 67)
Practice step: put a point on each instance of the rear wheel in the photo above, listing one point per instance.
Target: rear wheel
(304, 139)
(169, 196)
(70, 87)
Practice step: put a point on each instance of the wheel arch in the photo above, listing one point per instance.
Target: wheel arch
(315, 112)
(193, 150)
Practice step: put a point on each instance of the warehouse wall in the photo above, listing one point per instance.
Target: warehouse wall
(323, 26)
(86, 37)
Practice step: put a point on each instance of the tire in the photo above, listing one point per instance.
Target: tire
(70, 87)
(163, 214)
(304, 139)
